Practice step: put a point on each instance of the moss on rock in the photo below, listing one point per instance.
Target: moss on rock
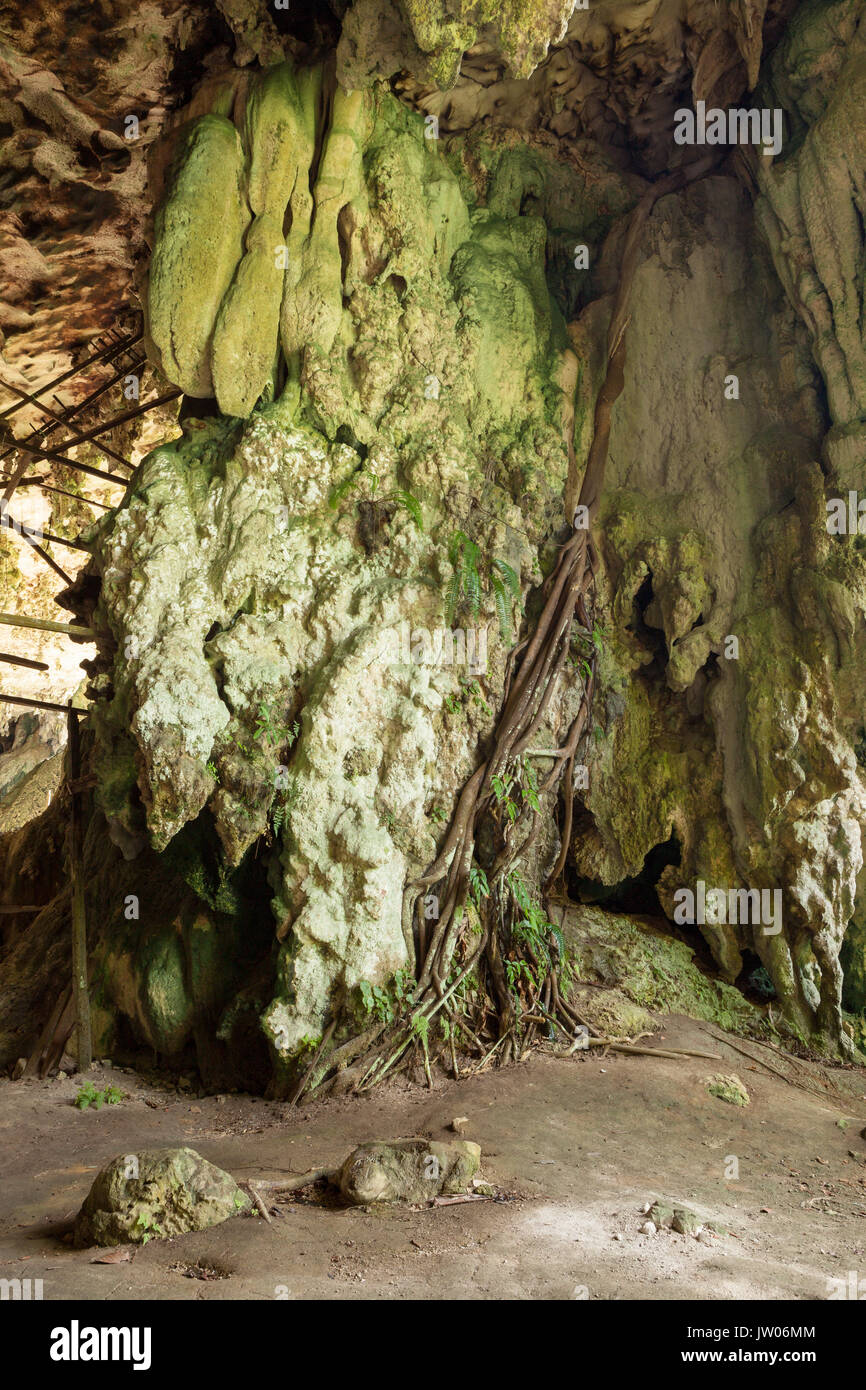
(199, 242)
(156, 1193)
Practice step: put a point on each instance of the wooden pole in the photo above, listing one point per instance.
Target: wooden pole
(21, 530)
(36, 704)
(61, 492)
(13, 660)
(57, 457)
(48, 625)
(80, 994)
(106, 351)
(25, 396)
(71, 411)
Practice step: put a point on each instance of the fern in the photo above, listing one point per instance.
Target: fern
(465, 581)
(511, 577)
(467, 563)
(471, 578)
(503, 608)
(342, 490)
(413, 507)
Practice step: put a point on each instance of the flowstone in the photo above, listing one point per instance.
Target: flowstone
(401, 348)
(262, 565)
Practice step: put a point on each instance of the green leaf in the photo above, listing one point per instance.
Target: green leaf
(511, 577)
(471, 578)
(340, 491)
(455, 547)
(413, 507)
(503, 608)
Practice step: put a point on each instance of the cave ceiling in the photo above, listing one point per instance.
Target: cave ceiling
(74, 205)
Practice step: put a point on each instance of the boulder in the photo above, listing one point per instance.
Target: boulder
(408, 1170)
(157, 1192)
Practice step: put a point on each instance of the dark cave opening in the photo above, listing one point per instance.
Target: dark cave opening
(311, 22)
(650, 637)
(636, 895)
(754, 981)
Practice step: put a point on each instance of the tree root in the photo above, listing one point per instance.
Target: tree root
(532, 673)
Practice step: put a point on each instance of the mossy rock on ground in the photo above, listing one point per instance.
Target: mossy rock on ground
(653, 969)
(683, 1220)
(612, 1012)
(728, 1088)
(408, 1170)
(157, 1192)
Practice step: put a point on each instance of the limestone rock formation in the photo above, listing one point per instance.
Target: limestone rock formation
(155, 1194)
(408, 1170)
(378, 252)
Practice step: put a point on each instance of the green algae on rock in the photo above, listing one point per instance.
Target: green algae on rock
(199, 241)
(728, 1088)
(408, 1170)
(654, 970)
(153, 1194)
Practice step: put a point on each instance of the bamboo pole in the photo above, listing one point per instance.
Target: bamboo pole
(61, 492)
(122, 419)
(70, 545)
(40, 550)
(26, 397)
(8, 520)
(106, 351)
(13, 660)
(48, 625)
(72, 410)
(36, 704)
(57, 457)
(81, 996)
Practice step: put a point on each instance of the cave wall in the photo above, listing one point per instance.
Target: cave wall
(385, 340)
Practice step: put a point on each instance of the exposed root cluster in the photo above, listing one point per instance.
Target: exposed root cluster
(445, 962)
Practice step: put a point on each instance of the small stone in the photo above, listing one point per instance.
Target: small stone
(686, 1223)
(728, 1088)
(459, 1123)
(648, 1228)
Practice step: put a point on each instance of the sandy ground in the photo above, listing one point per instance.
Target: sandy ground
(579, 1144)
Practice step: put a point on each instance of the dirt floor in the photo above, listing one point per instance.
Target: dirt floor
(577, 1146)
